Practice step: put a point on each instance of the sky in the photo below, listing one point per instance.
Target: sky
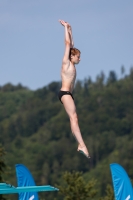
(32, 39)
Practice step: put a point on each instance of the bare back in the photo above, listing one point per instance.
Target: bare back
(68, 76)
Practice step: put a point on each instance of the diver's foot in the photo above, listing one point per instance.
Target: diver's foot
(83, 150)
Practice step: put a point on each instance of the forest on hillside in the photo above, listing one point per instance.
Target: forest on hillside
(35, 131)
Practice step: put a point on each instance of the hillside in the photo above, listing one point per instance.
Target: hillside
(35, 130)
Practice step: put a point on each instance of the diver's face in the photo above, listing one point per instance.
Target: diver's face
(76, 58)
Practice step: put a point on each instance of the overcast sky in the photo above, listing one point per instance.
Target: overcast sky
(32, 40)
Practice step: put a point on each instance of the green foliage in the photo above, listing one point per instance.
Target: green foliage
(2, 163)
(10, 88)
(112, 77)
(76, 188)
(109, 193)
(2, 168)
(35, 130)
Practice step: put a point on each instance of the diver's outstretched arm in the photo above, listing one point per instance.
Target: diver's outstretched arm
(66, 59)
(70, 34)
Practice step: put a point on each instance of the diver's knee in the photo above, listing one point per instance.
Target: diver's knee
(74, 117)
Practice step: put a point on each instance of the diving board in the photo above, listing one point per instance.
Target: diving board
(10, 189)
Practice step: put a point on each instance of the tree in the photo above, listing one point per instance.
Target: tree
(112, 77)
(131, 72)
(2, 167)
(122, 70)
(76, 188)
(100, 79)
(109, 193)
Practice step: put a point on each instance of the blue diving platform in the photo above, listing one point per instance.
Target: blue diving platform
(10, 189)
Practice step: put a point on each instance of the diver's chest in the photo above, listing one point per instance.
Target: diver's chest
(71, 70)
